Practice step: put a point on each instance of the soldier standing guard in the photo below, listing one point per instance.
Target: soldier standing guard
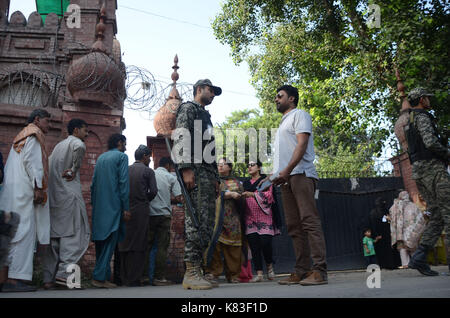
(199, 172)
(429, 156)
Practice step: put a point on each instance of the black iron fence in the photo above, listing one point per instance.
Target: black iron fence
(344, 205)
(345, 174)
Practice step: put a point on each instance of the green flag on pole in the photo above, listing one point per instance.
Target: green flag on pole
(44, 7)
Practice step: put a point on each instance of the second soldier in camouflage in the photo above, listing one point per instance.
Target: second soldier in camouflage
(200, 175)
(429, 156)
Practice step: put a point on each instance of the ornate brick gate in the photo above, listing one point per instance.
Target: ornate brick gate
(38, 68)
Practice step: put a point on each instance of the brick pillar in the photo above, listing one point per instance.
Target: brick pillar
(401, 163)
(158, 148)
(4, 7)
(175, 255)
(403, 168)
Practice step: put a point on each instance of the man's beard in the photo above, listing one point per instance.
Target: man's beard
(206, 101)
(282, 107)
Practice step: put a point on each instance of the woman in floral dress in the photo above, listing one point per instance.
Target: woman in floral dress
(407, 226)
(259, 222)
(227, 236)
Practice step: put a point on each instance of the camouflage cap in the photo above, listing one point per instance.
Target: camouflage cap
(207, 82)
(417, 93)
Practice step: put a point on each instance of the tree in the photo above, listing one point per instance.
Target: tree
(236, 127)
(344, 163)
(344, 69)
(335, 161)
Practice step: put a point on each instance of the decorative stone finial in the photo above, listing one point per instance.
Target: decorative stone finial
(174, 94)
(116, 51)
(164, 121)
(401, 89)
(175, 75)
(100, 29)
(4, 7)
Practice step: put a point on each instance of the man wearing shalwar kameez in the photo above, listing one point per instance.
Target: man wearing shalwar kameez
(110, 201)
(69, 225)
(24, 192)
(142, 190)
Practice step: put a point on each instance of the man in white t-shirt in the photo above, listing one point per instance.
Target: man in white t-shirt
(169, 191)
(293, 162)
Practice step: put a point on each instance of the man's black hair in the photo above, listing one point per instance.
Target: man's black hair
(291, 92)
(195, 89)
(114, 139)
(164, 161)
(75, 123)
(141, 151)
(41, 113)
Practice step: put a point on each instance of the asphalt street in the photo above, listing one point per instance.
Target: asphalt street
(401, 283)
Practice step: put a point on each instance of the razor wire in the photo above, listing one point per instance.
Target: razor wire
(145, 93)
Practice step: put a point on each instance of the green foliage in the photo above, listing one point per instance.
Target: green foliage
(344, 160)
(344, 70)
(236, 127)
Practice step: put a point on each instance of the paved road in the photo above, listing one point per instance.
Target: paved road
(394, 283)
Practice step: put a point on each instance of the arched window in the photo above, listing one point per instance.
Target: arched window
(23, 88)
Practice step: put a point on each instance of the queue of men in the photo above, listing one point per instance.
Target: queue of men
(131, 205)
(47, 195)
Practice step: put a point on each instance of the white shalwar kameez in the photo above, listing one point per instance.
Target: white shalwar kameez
(22, 171)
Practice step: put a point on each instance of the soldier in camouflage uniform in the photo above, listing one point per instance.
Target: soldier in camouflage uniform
(429, 156)
(200, 175)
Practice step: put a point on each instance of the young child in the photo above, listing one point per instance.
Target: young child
(369, 248)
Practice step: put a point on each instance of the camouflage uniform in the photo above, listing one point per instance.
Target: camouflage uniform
(433, 182)
(429, 156)
(206, 175)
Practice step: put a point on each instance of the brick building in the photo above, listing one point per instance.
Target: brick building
(71, 72)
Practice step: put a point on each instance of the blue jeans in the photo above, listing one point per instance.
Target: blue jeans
(372, 259)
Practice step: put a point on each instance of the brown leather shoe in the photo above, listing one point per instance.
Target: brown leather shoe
(315, 278)
(104, 284)
(234, 281)
(108, 284)
(291, 280)
(212, 279)
(162, 282)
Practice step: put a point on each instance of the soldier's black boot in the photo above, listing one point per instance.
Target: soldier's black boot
(448, 259)
(419, 261)
(448, 273)
(448, 262)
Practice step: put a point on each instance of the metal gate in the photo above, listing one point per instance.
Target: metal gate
(344, 205)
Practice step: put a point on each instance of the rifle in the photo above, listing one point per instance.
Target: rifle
(187, 199)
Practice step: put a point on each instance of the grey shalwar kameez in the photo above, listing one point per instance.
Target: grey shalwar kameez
(69, 225)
